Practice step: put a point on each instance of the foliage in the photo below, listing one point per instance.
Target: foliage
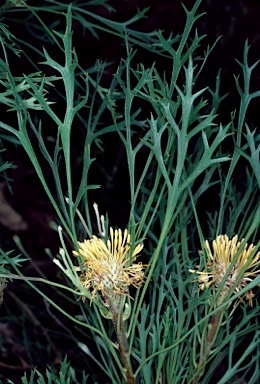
(66, 375)
(178, 155)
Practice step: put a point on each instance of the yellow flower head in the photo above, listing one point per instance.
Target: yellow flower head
(218, 263)
(108, 266)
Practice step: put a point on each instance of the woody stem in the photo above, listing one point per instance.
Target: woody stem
(118, 323)
(211, 336)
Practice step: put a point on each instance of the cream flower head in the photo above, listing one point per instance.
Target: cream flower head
(109, 267)
(219, 261)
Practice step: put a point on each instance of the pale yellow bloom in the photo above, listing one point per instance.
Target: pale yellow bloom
(218, 263)
(109, 266)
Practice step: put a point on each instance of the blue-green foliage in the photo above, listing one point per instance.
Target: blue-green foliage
(188, 155)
